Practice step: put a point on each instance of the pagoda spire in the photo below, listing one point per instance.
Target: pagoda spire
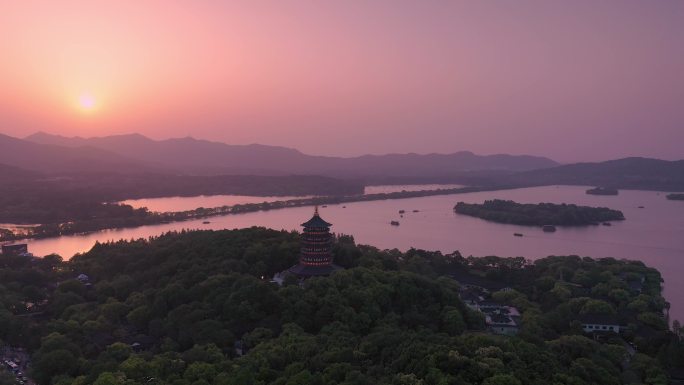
(316, 211)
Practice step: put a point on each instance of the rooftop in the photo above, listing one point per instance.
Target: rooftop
(316, 221)
(500, 319)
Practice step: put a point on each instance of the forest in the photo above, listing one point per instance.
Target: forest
(503, 211)
(197, 308)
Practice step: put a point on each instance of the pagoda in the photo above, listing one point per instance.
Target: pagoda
(315, 257)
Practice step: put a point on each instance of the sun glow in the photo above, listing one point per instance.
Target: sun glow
(87, 102)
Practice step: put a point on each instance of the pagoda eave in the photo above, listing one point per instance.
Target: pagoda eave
(303, 270)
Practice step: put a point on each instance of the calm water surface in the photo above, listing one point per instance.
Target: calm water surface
(174, 204)
(654, 234)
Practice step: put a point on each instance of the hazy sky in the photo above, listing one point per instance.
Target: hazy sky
(573, 80)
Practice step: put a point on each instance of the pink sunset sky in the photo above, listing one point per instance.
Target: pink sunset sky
(572, 80)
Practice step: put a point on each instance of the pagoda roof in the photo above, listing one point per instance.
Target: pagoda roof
(316, 221)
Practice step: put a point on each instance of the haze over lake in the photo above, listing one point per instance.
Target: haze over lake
(175, 204)
(651, 234)
(384, 189)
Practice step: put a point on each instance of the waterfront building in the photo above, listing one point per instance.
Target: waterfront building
(15, 249)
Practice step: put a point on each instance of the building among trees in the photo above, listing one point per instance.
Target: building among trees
(315, 257)
(15, 249)
(600, 323)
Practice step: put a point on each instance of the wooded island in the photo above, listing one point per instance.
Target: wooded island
(505, 211)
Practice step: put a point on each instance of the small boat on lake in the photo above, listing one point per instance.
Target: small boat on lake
(394, 223)
(607, 224)
(206, 222)
(415, 211)
(549, 228)
(517, 235)
(402, 211)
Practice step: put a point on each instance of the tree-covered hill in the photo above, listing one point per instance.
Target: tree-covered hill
(628, 173)
(198, 308)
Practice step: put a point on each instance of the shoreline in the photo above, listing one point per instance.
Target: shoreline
(155, 218)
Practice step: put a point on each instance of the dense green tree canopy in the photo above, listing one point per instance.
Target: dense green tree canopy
(199, 308)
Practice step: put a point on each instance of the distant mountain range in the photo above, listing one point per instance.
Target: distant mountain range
(49, 158)
(627, 173)
(200, 157)
(53, 155)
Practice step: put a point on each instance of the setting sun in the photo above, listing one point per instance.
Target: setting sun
(86, 102)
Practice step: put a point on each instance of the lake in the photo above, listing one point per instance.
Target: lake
(654, 234)
(175, 204)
